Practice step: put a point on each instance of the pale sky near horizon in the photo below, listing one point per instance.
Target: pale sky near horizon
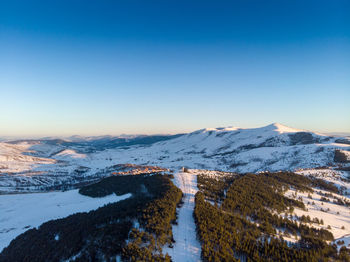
(113, 67)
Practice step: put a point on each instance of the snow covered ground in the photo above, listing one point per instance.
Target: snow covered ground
(274, 147)
(187, 248)
(336, 218)
(340, 179)
(20, 212)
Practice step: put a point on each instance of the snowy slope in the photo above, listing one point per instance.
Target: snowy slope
(334, 215)
(16, 158)
(68, 154)
(26, 165)
(273, 147)
(186, 247)
(24, 211)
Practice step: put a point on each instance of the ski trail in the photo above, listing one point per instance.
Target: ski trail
(187, 248)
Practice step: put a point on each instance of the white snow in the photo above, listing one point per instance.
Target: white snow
(346, 243)
(333, 215)
(187, 248)
(19, 212)
(229, 149)
(339, 178)
(68, 154)
(284, 129)
(15, 158)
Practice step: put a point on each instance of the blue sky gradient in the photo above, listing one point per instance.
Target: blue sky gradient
(112, 67)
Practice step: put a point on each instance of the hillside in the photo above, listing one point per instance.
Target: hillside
(222, 216)
(274, 147)
(135, 225)
(271, 217)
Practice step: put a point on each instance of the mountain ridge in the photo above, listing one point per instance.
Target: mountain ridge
(269, 148)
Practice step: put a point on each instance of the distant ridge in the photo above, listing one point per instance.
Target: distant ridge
(269, 148)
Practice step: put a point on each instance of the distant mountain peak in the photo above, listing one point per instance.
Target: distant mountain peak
(282, 128)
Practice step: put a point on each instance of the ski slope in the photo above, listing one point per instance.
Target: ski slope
(187, 248)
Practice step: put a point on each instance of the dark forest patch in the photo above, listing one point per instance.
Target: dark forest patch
(340, 157)
(303, 138)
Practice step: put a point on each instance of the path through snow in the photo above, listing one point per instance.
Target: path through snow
(187, 248)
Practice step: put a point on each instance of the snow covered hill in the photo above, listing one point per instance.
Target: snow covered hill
(24, 164)
(273, 147)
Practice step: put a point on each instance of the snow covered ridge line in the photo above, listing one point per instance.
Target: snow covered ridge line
(275, 126)
(274, 147)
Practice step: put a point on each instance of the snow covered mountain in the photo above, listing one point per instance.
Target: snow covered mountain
(273, 147)
(47, 163)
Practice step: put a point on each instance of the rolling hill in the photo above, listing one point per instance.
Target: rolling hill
(40, 164)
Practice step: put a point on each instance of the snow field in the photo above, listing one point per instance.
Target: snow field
(20, 212)
(333, 215)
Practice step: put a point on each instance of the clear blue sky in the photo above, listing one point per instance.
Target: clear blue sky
(111, 67)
